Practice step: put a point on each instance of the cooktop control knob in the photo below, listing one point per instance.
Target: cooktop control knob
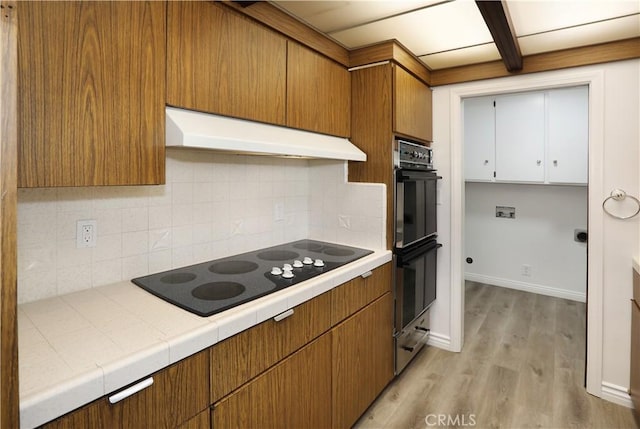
(318, 263)
(276, 271)
(297, 264)
(287, 275)
(307, 260)
(287, 267)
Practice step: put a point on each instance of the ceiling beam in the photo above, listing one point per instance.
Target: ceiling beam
(496, 16)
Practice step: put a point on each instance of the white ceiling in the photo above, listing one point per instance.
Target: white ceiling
(452, 33)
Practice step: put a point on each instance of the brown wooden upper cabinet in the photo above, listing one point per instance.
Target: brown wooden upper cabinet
(318, 93)
(91, 93)
(412, 106)
(221, 62)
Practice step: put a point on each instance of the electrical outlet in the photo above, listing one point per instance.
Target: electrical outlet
(86, 233)
(526, 270)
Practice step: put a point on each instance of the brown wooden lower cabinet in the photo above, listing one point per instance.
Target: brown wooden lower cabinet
(634, 384)
(354, 295)
(238, 359)
(296, 393)
(362, 360)
(177, 394)
(301, 372)
(201, 421)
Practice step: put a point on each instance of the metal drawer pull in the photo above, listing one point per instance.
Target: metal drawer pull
(367, 274)
(422, 328)
(131, 390)
(284, 315)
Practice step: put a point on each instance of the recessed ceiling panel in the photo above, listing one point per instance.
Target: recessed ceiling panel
(461, 57)
(328, 16)
(531, 17)
(438, 28)
(590, 34)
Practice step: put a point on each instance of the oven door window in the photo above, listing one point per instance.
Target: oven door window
(415, 206)
(416, 282)
(413, 278)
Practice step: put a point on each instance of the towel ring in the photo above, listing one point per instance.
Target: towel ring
(619, 195)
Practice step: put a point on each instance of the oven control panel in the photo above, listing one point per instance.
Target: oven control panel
(411, 155)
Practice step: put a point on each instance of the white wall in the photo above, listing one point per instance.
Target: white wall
(613, 163)
(212, 206)
(541, 236)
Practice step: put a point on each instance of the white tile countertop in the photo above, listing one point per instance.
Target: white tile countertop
(78, 347)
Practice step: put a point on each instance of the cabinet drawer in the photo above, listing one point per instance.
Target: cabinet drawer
(242, 357)
(178, 394)
(359, 292)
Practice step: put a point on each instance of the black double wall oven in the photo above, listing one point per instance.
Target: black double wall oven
(415, 247)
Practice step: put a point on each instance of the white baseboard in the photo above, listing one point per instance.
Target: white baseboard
(616, 394)
(440, 341)
(527, 287)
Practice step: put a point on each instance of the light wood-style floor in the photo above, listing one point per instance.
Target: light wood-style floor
(522, 366)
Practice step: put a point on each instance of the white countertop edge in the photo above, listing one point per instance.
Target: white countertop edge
(636, 265)
(39, 408)
(50, 403)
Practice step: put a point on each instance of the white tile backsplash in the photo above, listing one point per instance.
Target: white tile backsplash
(213, 205)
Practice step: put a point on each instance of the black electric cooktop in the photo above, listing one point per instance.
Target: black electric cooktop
(211, 287)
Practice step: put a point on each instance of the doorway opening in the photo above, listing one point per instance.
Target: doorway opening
(595, 82)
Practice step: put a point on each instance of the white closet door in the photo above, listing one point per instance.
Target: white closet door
(520, 130)
(479, 139)
(568, 135)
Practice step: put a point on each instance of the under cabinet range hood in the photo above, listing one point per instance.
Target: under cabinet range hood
(186, 128)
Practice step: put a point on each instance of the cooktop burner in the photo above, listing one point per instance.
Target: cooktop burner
(214, 286)
(277, 255)
(233, 267)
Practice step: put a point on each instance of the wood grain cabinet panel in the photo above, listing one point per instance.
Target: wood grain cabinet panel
(412, 106)
(318, 93)
(92, 93)
(201, 421)
(362, 360)
(238, 359)
(219, 61)
(296, 393)
(352, 296)
(178, 393)
(634, 384)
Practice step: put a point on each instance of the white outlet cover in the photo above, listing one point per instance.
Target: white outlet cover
(86, 233)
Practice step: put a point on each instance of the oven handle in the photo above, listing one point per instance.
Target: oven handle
(410, 349)
(404, 256)
(403, 175)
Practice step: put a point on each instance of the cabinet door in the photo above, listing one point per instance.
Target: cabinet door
(520, 137)
(412, 106)
(568, 135)
(362, 360)
(221, 62)
(479, 138)
(296, 393)
(92, 93)
(318, 93)
(178, 393)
